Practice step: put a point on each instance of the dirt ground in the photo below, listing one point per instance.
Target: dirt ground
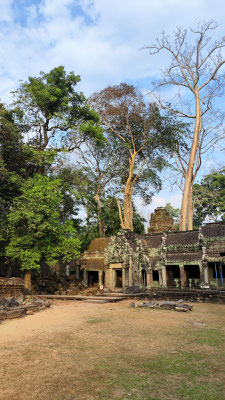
(84, 351)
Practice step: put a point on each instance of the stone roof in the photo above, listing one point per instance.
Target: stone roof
(98, 244)
(182, 238)
(154, 240)
(192, 256)
(214, 229)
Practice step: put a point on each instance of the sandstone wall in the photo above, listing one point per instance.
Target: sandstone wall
(11, 287)
(160, 221)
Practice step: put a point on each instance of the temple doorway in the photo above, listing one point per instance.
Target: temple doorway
(173, 275)
(144, 278)
(92, 278)
(119, 279)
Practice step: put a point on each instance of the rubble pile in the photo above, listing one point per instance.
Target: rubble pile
(11, 287)
(165, 305)
(53, 283)
(12, 308)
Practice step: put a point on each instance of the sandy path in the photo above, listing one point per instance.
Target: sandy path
(68, 315)
(78, 350)
(62, 316)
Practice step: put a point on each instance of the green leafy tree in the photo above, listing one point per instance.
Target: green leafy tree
(36, 231)
(209, 198)
(16, 164)
(54, 115)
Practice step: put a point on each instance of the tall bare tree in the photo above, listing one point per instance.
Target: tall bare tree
(141, 139)
(195, 70)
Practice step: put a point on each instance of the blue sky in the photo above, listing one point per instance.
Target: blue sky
(101, 40)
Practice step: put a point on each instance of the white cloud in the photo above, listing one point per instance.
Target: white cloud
(101, 41)
(6, 14)
(98, 39)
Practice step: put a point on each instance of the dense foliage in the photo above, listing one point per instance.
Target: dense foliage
(209, 198)
(63, 170)
(37, 234)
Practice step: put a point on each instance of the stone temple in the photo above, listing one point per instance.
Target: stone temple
(162, 258)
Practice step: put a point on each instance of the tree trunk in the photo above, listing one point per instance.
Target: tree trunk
(190, 209)
(100, 222)
(128, 209)
(120, 213)
(128, 206)
(189, 175)
(9, 271)
(27, 280)
(127, 221)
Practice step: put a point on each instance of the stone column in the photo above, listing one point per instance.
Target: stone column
(111, 285)
(206, 273)
(164, 277)
(182, 277)
(123, 277)
(107, 278)
(149, 279)
(100, 278)
(85, 278)
(130, 272)
(202, 281)
(160, 278)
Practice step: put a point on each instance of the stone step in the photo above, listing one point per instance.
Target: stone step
(97, 301)
(70, 297)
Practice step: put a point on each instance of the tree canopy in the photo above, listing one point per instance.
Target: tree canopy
(142, 139)
(54, 114)
(37, 234)
(209, 198)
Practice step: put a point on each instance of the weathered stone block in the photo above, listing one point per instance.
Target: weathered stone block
(14, 313)
(3, 314)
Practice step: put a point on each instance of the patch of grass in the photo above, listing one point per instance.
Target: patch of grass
(199, 391)
(210, 336)
(96, 320)
(184, 363)
(183, 376)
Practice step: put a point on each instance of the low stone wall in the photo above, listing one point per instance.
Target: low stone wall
(195, 295)
(11, 287)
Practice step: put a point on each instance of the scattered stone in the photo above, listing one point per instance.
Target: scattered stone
(14, 314)
(165, 305)
(11, 308)
(3, 314)
(187, 306)
(29, 312)
(180, 308)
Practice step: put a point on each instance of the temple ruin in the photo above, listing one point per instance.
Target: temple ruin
(160, 221)
(190, 259)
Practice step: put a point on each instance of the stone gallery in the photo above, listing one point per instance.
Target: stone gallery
(161, 258)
